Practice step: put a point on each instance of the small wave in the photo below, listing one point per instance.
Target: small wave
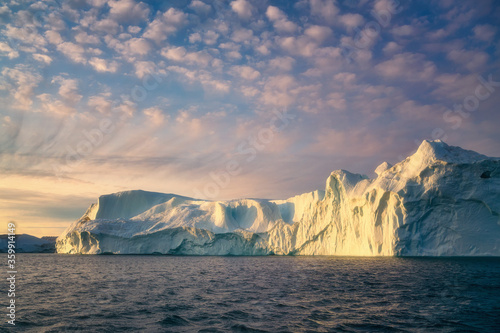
(174, 320)
(244, 328)
(235, 314)
(210, 330)
(361, 327)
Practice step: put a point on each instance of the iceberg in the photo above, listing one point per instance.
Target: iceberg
(441, 201)
(25, 243)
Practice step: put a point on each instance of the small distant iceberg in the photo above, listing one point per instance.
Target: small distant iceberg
(29, 244)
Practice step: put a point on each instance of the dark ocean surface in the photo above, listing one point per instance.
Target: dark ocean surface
(71, 293)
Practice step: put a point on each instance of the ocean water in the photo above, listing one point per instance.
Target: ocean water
(71, 293)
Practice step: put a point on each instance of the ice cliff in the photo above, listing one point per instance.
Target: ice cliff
(441, 201)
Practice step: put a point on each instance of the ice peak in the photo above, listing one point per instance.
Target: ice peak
(382, 167)
(348, 179)
(432, 150)
(432, 147)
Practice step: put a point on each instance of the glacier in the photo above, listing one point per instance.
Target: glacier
(440, 201)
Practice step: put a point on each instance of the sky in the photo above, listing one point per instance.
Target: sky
(229, 99)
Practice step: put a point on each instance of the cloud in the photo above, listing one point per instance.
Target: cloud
(133, 29)
(203, 77)
(97, 3)
(303, 45)
(74, 52)
(7, 51)
(128, 11)
(94, 51)
(27, 35)
(404, 30)
(174, 53)
(6, 121)
(143, 68)
(351, 21)
(138, 46)
(165, 24)
(131, 48)
(100, 103)
(282, 63)
(200, 7)
(485, 32)
(280, 21)
(103, 65)
(24, 82)
(42, 58)
(472, 60)
(331, 59)
(53, 37)
(438, 34)
(318, 33)
(230, 46)
(345, 78)
(179, 54)
(55, 21)
(246, 72)
(195, 37)
(277, 90)
(264, 48)
(5, 13)
(407, 66)
(412, 110)
(361, 141)
(454, 86)
(325, 9)
(127, 108)
(106, 25)
(249, 91)
(70, 13)
(243, 8)
(384, 6)
(336, 100)
(234, 55)
(53, 106)
(392, 47)
(83, 38)
(243, 36)
(68, 89)
(221, 26)
(155, 115)
(210, 37)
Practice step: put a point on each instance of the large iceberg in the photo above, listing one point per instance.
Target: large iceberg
(441, 201)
